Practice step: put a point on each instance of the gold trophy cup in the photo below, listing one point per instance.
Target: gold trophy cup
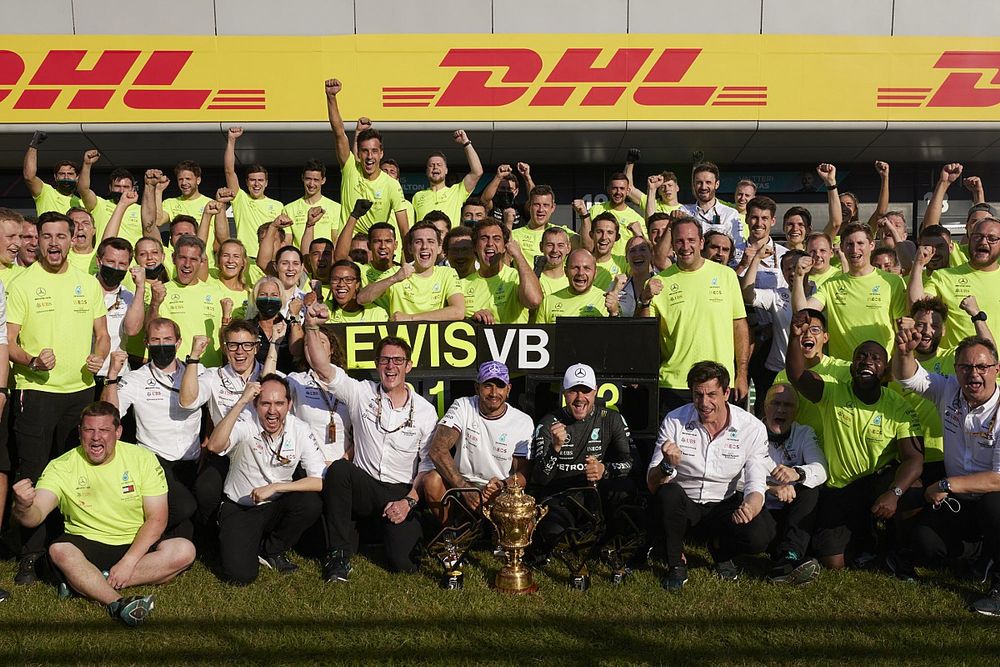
(514, 514)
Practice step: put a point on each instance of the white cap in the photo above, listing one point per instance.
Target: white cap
(579, 375)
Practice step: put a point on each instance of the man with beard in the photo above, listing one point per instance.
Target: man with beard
(320, 254)
(382, 245)
(872, 442)
(703, 451)
(709, 211)
(541, 207)
(191, 201)
(601, 237)
(328, 226)
(120, 181)
(699, 307)
(718, 248)
(580, 298)
(439, 196)
(60, 198)
(798, 469)
(555, 246)
(501, 294)
(58, 338)
(251, 207)
(980, 277)
(163, 425)
(627, 218)
(125, 312)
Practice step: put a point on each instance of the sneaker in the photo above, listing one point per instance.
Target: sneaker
(978, 570)
(675, 578)
(791, 569)
(336, 566)
(726, 570)
(279, 563)
(132, 611)
(4, 595)
(901, 567)
(989, 605)
(27, 570)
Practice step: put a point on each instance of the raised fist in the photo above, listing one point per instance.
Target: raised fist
(580, 207)
(118, 360)
(225, 195)
(950, 172)
(333, 86)
(405, 271)
(504, 170)
(924, 255)
(827, 173)
(972, 183)
(91, 156)
(364, 123)
(198, 345)
(315, 214)
(460, 137)
(283, 221)
(907, 337)
(37, 139)
(227, 307)
(803, 266)
(800, 322)
(558, 432)
(671, 453)
(633, 155)
(655, 181)
(881, 168)
(128, 198)
(214, 207)
(524, 169)
(361, 207)
(235, 133)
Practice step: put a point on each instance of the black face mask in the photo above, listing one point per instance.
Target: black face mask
(66, 186)
(156, 273)
(111, 276)
(115, 196)
(162, 355)
(268, 306)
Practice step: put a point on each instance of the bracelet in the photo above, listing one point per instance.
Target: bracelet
(115, 381)
(467, 143)
(192, 360)
(310, 327)
(31, 363)
(643, 304)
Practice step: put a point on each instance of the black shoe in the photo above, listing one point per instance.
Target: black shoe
(4, 595)
(901, 567)
(989, 605)
(336, 566)
(675, 578)
(131, 611)
(27, 570)
(978, 570)
(279, 563)
(726, 570)
(790, 569)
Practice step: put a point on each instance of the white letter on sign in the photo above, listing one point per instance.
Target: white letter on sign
(491, 341)
(539, 348)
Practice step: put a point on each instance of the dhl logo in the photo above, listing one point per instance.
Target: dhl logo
(523, 72)
(150, 88)
(959, 89)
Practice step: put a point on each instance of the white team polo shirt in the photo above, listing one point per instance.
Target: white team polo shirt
(711, 470)
(161, 424)
(802, 451)
(389, 443)
(722, 218)
(486, 447)
(257, 460)
(117, 303)
(971, 437)
(314, 404)
(220, 388)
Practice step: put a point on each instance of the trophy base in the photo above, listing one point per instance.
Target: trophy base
(515, 581)
(618, 578)
(580, 582)
(453, 581)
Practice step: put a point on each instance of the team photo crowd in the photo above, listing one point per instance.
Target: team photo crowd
(174, 379)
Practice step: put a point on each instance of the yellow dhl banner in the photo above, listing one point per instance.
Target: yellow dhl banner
(604, 77)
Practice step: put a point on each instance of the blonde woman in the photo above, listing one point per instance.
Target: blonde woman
(265, 312)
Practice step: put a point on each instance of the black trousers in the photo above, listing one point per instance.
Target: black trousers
(580, 509)
(940, 533)
(46, 428)
(181, 503)
(208, 487)
(349, 493)
(267, 529)
(795, 522)
(725, 538)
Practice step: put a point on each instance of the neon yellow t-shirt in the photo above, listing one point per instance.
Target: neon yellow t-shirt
(498, 294)
(952, 284)
(197, 311)
(175, 206)
(50, 199)
(103, 503)
(566, 303)
(942, 363)
(531, 240)
(819, 278)
(660, 206)
(862, 308)
(695, 310)
(9, 273)
(385, 193)
(959, 254)
(860, 437)
(418, 294)
(131, 227)
(249, 214)
(625, 218)
(550, 285)
(447, 200)
(56, 311)
(86, 263)
(830, 369)
(371, 274)
(370, 313)
(240, 298)
(328, 226)
(607, 270)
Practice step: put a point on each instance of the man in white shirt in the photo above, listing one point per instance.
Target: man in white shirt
(265, 510)
(709, 211)
(392, 433)
(702, 453)
(491, 439)
(162, 425)
(125, 312)
(968, 403)
(798, 469)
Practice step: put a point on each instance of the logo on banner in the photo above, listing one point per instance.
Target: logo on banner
(489, 77)
(959, 88)
(152, 87)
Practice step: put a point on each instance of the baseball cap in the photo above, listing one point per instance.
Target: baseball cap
(579, 375)
(493, 370)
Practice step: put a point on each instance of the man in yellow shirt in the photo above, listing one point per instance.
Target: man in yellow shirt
(360, 175)
(819, 245)
(868, 429)
(601, 238)
(555, 247)
(661, 193)
(57, 338)
(501, 294)
(861, 304)
(120, 182)
(47, 198)
(28, 253)
(190, 202)
(581, 298)
(10, 244)
(439, 197)
(699, 307)
(113, 500)
(630, 221)
(541, 207)
(251, 207)
(82, 249)
(420, 290)
(313, 179)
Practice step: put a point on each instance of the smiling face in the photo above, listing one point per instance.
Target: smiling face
(83, 231)
(29, 243)
(858, 250)
(555, 247)
(370, 153)
(704, 184)
(256, 184)
(289, 266)
(344, 285)
(710, 400)
(743, 194)
(54, 244)
(821, 251)
(187, 182)
(232, 260)
(580, 270)
(978, 384)
(760, 221)
(148, 253)
(580, 401)
(239, 359)
(617, 191)
(687, 244)
(10, 241)
(187, 260)
(272, 406)
(638, 253)
(780, 408)
(98, 437)
(312, 182)
(795, 230)
(490, 245)
(392, 367)
(320, 258)
(813, 339)
(868, 364)
(424, 246)
(930, 326)
(984, 244)
(382, 244)
(605, 234)
(492, 397)
(437, 169)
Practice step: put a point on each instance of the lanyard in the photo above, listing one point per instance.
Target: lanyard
(161, 382)
(378, 414)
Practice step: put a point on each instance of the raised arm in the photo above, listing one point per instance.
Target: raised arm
(229, 159)
(135, 313)
(749, 278)
(114, 226)
(372, 291)
(805, 381)
(314, 215)
(949, 174)
(29, 168)
(915, 281)
(364, 123)
(471, 179)
(828, 174)
(586, 225)
(974, 184)
(882, 168)
(188, 395)
(316, 344)
(31, 505)
(529, 290)
(333, 86)
(524, 169)
(342, 248)
(269, 243)
(218, 442)
(653, 184)
(798, 289)
(904, 364)
(490, 191)
(971, 308)
(83, 188)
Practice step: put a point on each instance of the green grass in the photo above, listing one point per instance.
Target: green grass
(857, 617)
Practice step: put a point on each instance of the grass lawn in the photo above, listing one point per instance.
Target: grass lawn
(857, 617)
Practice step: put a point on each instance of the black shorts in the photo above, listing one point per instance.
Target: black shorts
(102, 556)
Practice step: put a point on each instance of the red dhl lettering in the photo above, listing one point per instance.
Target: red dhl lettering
(521, 72)
(958, 90)
(150, 88)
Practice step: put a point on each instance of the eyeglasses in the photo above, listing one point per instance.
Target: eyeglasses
(247, 346)
(815, 331)
(991, 239)
(349, 280)
(394, 361)
(968, 368)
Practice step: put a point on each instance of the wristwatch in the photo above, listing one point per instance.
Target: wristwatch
(945, 485)
(192, 360)
(666, 468)
(801, 472)
(896, 491)
(411, 502)
(979, 317)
